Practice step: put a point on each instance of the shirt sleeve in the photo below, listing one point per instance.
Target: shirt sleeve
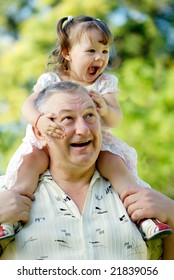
(108, 84)
(46, 79)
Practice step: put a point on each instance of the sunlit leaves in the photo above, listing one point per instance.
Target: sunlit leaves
(145, 69)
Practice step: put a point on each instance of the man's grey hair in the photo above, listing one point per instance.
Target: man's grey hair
(64, 86)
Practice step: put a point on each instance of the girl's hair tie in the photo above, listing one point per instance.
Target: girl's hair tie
(70, 18)
(36, 122)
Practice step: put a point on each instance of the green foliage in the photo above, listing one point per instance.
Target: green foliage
(146, 99)
(145, 68)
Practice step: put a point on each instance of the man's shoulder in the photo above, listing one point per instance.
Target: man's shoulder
(99, 181)
(45, 175)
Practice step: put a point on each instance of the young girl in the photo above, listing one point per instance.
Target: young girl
(81, 56)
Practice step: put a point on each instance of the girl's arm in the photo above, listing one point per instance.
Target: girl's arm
(45, 124)
(114, 114)
(29, 110)
(108, 108)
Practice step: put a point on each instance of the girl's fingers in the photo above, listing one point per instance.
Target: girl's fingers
(59, 132)
(56, 133)
(51, 115)
(55, 129)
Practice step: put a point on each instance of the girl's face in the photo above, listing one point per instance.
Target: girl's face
(88, 58)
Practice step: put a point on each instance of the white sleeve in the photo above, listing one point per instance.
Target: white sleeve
(46, 79)
(107, 84)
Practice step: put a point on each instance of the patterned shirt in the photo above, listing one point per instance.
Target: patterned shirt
(57, 230)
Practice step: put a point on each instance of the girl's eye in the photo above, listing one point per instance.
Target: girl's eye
(105, 51)
(92, 51)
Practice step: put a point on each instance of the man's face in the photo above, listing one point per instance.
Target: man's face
(82, 142)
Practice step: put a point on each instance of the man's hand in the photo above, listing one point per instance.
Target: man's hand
(147, 203)
(14, 206)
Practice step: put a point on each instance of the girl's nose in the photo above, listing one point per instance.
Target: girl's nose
(98, 56)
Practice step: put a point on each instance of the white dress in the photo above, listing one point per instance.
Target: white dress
(104, 84)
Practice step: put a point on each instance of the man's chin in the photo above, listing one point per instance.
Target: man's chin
(84, 161)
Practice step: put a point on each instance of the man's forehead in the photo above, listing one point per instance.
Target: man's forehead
(72, 101)
(71, 109)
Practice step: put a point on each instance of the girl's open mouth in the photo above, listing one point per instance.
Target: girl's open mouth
(93, 70)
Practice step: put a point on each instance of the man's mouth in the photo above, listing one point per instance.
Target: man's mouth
(80, 144)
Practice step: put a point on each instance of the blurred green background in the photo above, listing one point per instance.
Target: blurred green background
(142, 57)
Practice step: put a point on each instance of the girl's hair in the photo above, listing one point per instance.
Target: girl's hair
(71, 32)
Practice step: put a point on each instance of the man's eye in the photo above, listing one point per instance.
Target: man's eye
(90, 117)
(66, 119)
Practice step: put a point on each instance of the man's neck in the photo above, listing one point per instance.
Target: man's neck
(73, 183)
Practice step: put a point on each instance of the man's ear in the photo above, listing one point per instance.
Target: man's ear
(65, 54)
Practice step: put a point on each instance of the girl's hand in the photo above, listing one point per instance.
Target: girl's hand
(100, 102)
(48, 127)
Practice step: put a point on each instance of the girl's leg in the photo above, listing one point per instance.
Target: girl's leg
(113, 168)
(34, 164)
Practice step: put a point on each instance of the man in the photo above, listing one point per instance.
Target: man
(76, 214)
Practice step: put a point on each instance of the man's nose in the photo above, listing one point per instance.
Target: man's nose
(81, 127)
